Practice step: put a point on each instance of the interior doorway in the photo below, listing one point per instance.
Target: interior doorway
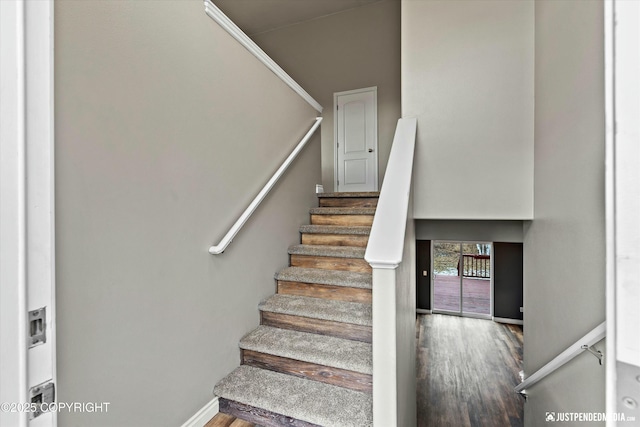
(356, 140)
(461, 279)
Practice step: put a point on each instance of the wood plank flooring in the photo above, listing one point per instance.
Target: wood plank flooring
(467, 369)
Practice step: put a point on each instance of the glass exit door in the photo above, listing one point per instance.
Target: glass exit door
(461, 279)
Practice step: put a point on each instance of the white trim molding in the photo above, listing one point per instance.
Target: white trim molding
(13, 217)
(204, 415)
(229, 26)
(622, 202)
(27, 225)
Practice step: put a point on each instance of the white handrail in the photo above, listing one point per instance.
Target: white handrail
(386, 241)
(217, 15)
(228, 238)
(584, 343)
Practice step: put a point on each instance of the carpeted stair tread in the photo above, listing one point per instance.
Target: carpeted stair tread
(302, 399)
(342, 211)
(318, 308)
(351, 194)
(313, 348)
(336, 229)
(325, 277)
(328, 251)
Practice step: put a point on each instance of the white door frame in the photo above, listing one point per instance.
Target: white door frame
(622, 68)
(27, 265)
(373, 89)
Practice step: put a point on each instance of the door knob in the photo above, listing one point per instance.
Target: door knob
(371, 150)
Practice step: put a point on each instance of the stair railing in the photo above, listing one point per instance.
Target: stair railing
(229, 26)
(585, 343)
(393, 302)
(235, 228)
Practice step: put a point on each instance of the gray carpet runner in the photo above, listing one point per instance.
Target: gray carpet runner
(319, 349)
(316, 308)
(346, 361)
(328, 251)
(335, 229)
(325, 277)
(310, 401)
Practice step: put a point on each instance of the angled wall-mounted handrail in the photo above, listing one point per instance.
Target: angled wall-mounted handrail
(228, 238)
(217, 15)
(584, 343)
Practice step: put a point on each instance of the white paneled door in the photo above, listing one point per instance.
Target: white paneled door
(356, 139)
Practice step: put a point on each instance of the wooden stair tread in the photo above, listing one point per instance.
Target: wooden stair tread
(350, 194)
(318, 349)
(302, 399)
(342, 211)
(316, 308)
(325, 277)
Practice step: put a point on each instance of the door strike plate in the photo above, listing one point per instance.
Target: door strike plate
(41, 397)
(37, 327)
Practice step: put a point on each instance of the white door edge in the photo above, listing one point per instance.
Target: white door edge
(26, 203)
(622, 203)
(373, 89)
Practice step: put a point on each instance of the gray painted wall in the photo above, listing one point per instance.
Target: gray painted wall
(350, 50)
(483, 231)
(165, 130)
(467, 75)
(564, 246)
(406, 370)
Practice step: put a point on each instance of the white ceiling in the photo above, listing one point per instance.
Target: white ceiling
(257, 16)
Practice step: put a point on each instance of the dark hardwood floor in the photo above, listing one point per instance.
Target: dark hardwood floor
(467, 369)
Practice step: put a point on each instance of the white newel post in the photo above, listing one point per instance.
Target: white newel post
(385, 384)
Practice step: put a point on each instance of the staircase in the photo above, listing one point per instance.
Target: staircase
(309, 362)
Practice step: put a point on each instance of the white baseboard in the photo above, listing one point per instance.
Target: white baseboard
(204, 415)
(511, 321)
(422, 311)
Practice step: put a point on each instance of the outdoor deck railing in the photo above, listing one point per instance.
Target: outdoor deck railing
(477, 266)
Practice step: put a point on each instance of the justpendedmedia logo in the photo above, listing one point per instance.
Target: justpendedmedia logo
(561, 417)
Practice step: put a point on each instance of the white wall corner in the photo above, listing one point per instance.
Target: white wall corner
(204, 415)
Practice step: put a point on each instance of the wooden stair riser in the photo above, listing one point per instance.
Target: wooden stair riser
(348, 202)
(344, 220)
(335, 239)
(316, 326)
(331, 263)
(259, 416)
(325, 374)
(226, 420)
(315, 290)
